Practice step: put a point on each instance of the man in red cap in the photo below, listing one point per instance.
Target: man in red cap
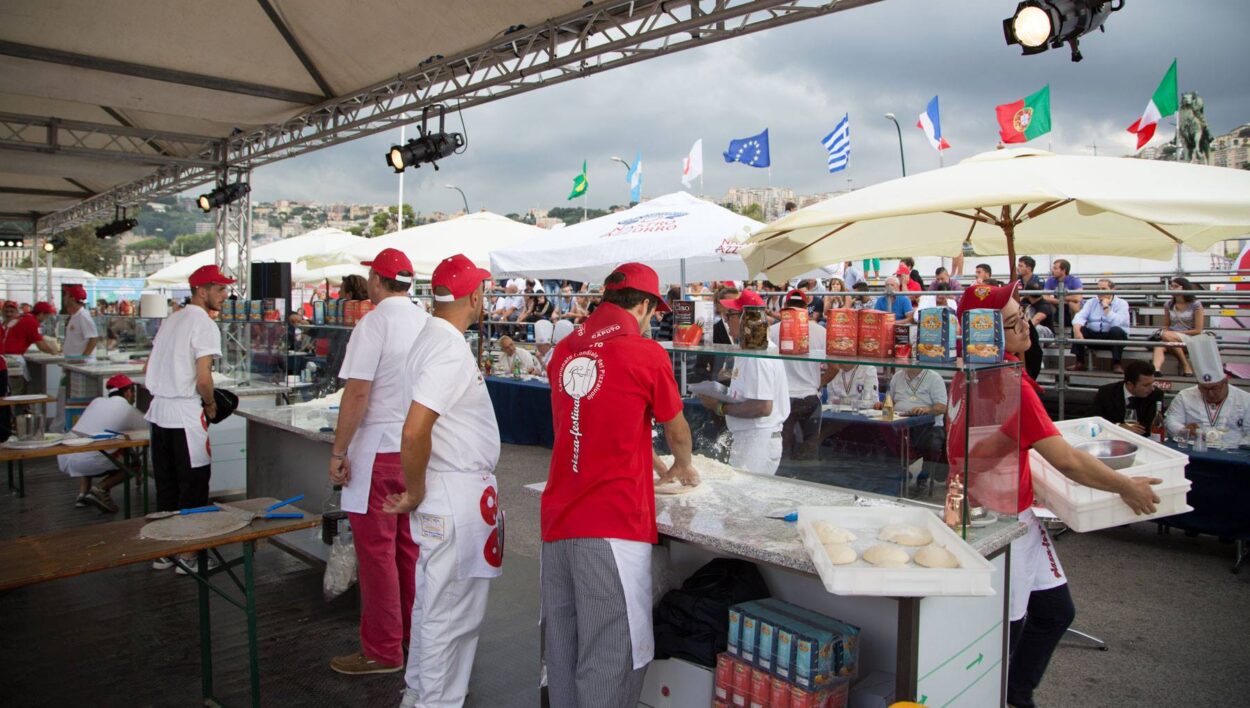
(450, 499)
(365, 460)
(762, 395)
(598, 510)
(1040, 605)
(81, 334)
(179, 374)
(19, 333)
(116, 411)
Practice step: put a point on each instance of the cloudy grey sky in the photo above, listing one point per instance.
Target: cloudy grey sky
(797, 81)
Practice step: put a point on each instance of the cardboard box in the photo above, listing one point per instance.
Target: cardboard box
(735, 632)
(798, 645)
(742, 683)
(842, 332)
(983, 336)
(936, 335)
(273, 309)
(686, 331)
(845, 660)
(902, 341)
(705, 317)
(761, 688)
(750, 628)
(779, 693)
(792, 334)
(876, 333)
(724, 684)
(834, 696)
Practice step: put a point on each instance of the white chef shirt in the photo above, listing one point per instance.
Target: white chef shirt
(442, 375)
(102, 414)
(1234, 415)
(924, 390)
(803, 377)
(756, 379)
(526, 359)
(184, 337)
(78, 330)
(860, 381)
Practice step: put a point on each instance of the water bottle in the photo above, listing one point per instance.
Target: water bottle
(331, 514)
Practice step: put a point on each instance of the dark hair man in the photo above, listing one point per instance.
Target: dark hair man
(1136, 392)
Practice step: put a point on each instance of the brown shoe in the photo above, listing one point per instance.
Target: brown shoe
(358, 665)
(1077, 366)
(1117, 368)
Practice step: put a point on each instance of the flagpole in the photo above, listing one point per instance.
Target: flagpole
(585, 201)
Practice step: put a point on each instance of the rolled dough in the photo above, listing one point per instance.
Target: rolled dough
(936, 557)
(195, 526)
(905, 535)
(707, 467)
(840, 553)
(675, 487)
(884, 555)
(828, 533)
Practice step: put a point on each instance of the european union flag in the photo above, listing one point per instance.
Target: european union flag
(752, 151)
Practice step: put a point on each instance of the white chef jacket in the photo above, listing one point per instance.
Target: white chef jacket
(526, 359)
(1233, 415)
(101, 415)
(860, 382)
(924, 390)
(803, 377)
(441, 374)
(78, 331)
(756, 379)
(184, 337)
(377, 352)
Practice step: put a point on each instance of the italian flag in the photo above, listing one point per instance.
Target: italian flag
(1162, 103)
(1023, 120)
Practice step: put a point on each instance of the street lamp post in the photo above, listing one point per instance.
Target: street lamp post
(466, 199)
(628, 169)
(901, 158)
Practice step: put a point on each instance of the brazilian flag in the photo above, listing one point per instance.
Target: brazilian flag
(579, 183)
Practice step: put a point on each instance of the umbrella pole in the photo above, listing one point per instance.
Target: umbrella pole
(683, 356)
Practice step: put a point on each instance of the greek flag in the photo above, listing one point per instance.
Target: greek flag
(838, 144)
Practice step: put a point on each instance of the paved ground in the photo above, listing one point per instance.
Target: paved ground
(1176, 620)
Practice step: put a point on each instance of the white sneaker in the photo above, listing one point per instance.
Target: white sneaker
(162, 563)
(194, 566)
(409, 700)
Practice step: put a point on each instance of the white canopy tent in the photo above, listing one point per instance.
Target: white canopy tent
(318, 244)
(475, 235)
(15, 282)
(661, 233)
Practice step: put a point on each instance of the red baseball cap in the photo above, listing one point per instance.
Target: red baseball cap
(208, 275)
(117, 382)
(748, 298)
(796, 294)
(44, 308)
(77, 292)
(10, 303)
(392, 263)
(990, 297)
(641, 278)
(459, 275)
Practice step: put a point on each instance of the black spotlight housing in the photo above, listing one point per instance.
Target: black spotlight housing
(223, 195)
(1038, 25)
(430, 147)
(115, 228)
(12, 242)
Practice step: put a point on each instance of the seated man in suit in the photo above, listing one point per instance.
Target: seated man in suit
(1138, 390)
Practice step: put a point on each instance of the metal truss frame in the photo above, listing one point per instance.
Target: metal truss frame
(234, 235)
(99, 140)
(582, 43)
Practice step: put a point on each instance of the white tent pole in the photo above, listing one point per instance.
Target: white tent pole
(683, 355)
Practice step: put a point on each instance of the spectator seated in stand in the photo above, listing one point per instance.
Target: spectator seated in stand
(864, 301)
(1041, 313)
(1214, 408)
(1060, 272)
(1183, 318)
(1136, 392)
(116, 411)
(516, 359)
(1103, 317)
(538, 307)
(983, 273)
(901, 306)
(508, 308)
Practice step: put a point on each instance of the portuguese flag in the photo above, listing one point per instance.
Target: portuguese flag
(1023, 120)
(1163, 103)
(579, 183)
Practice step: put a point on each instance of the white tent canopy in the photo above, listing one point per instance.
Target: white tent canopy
(318, 244)
(661, 233)
(474, 235)
(1023, 199)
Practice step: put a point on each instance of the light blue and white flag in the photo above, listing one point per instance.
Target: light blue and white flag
(838, 144)
(634, 177)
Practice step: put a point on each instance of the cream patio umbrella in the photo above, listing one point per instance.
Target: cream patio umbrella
(1010, 201)
(475, 235)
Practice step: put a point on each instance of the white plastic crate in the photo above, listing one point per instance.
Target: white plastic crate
(1086, 509)
(972, 578)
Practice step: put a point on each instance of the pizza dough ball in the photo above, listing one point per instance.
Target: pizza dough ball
(886, 556)
(828, 533)
(905, 535)
(840, 553)
(936, 557)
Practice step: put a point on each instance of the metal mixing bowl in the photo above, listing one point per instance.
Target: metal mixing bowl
(1116, 454)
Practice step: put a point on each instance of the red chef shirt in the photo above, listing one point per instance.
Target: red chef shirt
(607, 383)
(22, 334)
(991, 478)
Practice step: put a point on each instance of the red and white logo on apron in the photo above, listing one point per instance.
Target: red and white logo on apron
(493, 550)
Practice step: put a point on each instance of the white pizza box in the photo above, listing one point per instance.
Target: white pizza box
(1086, 509)
(972, 578)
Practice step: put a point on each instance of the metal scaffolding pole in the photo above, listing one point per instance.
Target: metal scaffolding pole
(233, 250)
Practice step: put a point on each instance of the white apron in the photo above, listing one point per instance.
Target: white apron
(195, 425)
(633, 564)
(360, 455)
(16, 364)
(1034, 564)
(469, 501)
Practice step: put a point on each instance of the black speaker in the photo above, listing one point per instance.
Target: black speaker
(271, 280)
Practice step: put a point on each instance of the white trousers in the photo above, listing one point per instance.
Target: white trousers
(757, 451)
(446, 618)
(1034, 565)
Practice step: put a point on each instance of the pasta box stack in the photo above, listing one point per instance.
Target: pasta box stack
(785, 656)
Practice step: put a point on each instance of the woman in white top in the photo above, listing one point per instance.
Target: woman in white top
(1182, 318)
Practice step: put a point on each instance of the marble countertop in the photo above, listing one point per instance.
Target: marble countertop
(38, 357)
(103, 367)
(728, 516)
(254, 388)
(308, 421)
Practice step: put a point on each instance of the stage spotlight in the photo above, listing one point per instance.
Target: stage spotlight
(223, 195)
(1038, 25)
(116, 227)
(429, 147)
(48, 247)
(12, 242)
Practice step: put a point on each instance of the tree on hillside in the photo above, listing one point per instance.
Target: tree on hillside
(84, 251)
(751, 211)
(144, 250)
(573, 215)
(387, 221)
(187, 244)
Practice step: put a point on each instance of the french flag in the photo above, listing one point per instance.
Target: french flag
(932, 126)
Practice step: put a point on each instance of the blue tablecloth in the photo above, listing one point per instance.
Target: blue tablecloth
(522, 410)
(1220, 494)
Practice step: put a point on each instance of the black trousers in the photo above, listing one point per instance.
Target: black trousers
(1033, 641)
(6, 414)
(805, 417)
(178, 484)
(1078, 350)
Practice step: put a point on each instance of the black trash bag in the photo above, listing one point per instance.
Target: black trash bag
(693, 623)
